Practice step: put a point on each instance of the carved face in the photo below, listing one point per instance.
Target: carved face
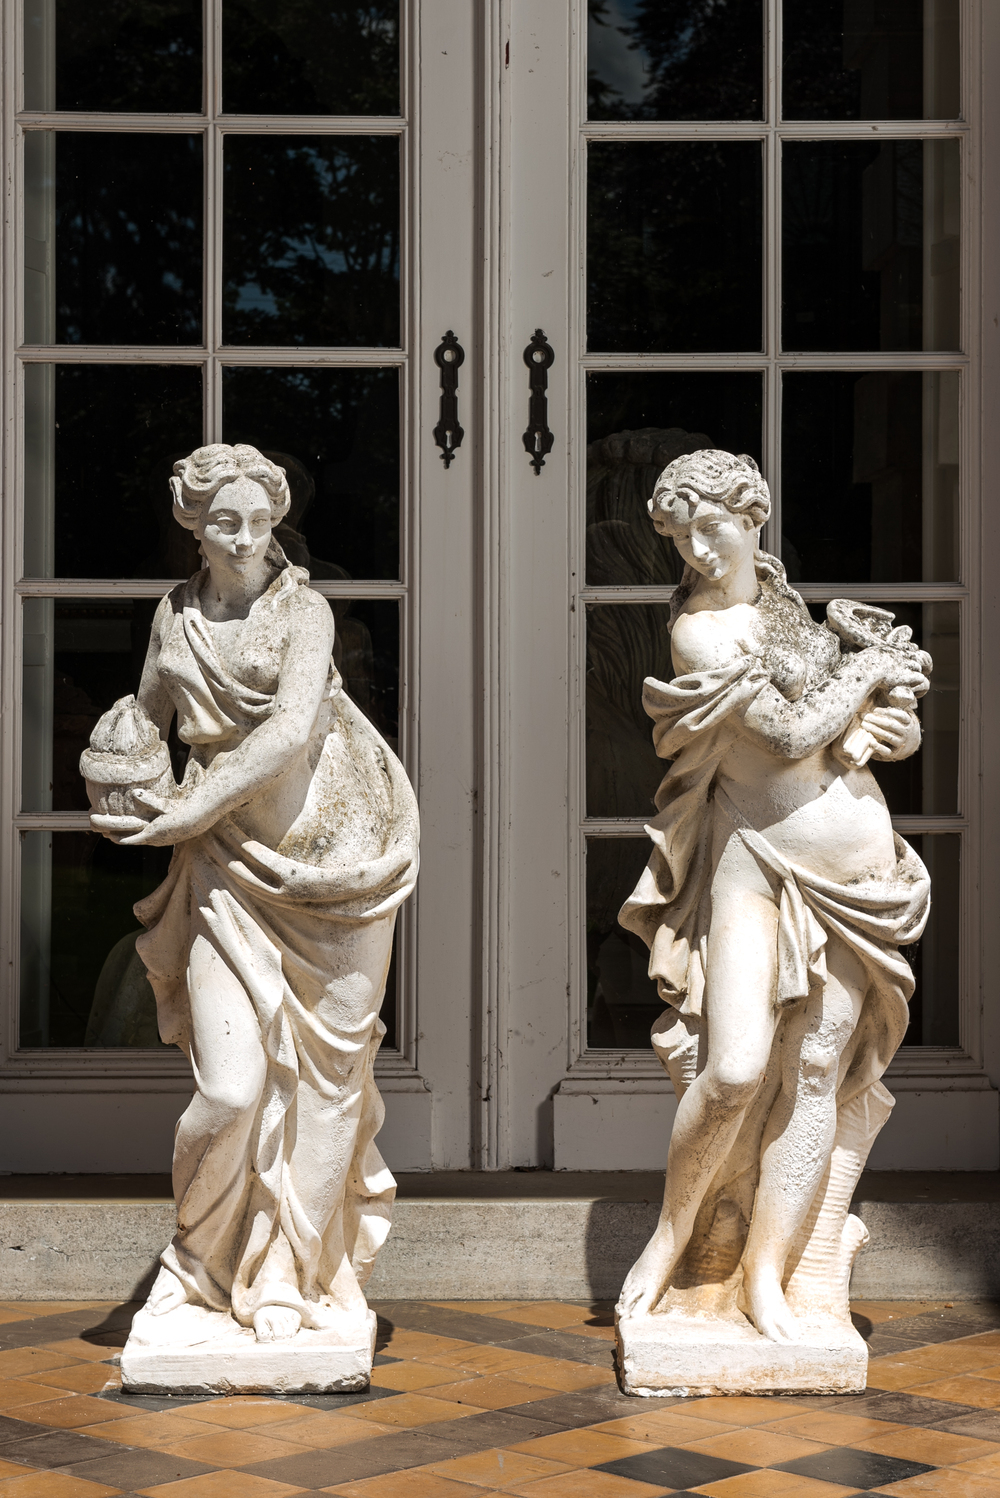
(235, 527)
(708, 536)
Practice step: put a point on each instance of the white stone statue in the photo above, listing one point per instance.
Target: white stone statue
(295, 842)
(774, 906)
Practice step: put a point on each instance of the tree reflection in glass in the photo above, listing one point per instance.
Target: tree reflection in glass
(310, 57)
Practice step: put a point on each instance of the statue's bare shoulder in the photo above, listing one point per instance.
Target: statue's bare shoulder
(707, 639)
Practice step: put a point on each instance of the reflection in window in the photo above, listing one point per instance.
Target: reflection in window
(311, 240)
(935, 958)
(101, 441)
(674, 246)
(675, 59)
(336, 434)
(622, 1000)
(625, 643)
(113, 55)
(636, 425)
(870, 245)
(870, 477)
(310, 57)
(888, 61)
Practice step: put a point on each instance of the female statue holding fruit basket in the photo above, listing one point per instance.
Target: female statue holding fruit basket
(268, 945)
(774, 905)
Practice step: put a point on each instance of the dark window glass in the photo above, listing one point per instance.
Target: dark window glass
(874, 60)
(336, 434)
(674, 246)
(935, 958)
(310, 57)
(134, 55)
(675, 59)
(82, 981)
(622, 1001)
(101, 441)
(636, 425)
(856, 220)
(311, 240)
(128, 238)
(366, 652)
(870, 477)
(626, 642)
(926, 784)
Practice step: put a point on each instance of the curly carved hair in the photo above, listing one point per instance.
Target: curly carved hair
(719, 477)
(199, 477)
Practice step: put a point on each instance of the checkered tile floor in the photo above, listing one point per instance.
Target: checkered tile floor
(471, 1398)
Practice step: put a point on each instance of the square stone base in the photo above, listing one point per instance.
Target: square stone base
(674, 1354)
(313, 1362)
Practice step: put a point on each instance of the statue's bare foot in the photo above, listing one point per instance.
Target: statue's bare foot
(276, 1323)
(768, 1308)
(646, 1281)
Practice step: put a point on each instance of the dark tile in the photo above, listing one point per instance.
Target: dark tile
(854, 1469)
(587, 1407)
(563, 1345)
(19, 1430)
(132, 1468)
(983, 1425)
(906, 1409)
(881, 1345)
(153, 1403)
(675, 1468)
(324, 1469)
(934, 1326)
(493, 1428)
(341, 1401)
(59, 1448)
(381, 1359)
(465, 1326)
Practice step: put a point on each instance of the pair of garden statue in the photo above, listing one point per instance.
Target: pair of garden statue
(774, 905)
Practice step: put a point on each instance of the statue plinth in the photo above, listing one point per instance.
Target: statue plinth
(311, 1362)
(676, 1354)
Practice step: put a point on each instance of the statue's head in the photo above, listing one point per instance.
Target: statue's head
(712, 504)
(231, 497)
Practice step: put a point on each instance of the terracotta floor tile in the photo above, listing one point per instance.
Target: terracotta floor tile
(552, 1314)
(157, 1432)
(411, 1375)
(15, 1392)
(16, 1362)
(9, 1317)
(758, 1448)
(582, 1484)
(567, 1377)
(54, 1485)
(894, 1310)
(57, 1307)
(887, 1373)
(91, 1352)
(584, 1448)
(498, 1468)
(14, 1469)
(411, 1410)
(404, 1344)
(774, 1485)
(480, 1359)
(835, 1429)
(81, 1378)
(984, 1339)
(936, 1447)
(949, 1482)
(481, 1307)
(223, 1485)
(663, 1427)
(248, 1411)
(233, 1448)
(495, 1392)
(324, 1429)
(957, 1357)
(965, 1389)
(982, 1466)
(416, 1484)
(741, 1409)
(68, 1413)
(602, 1333)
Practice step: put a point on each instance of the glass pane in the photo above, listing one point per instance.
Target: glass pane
(626, 642)
(113, 55)
(101, 441)
(926, 784)
(311, 240)
(622, 1001)
(366, 651)
(675, 59)
(896, 60)
(870, 244)
(82, 982)
(870, 479)
(935, 958)
(124, 214)
(636, 425)
(674, 246)
(310, 57)
(336, 434)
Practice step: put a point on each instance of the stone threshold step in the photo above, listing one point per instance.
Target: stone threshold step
(496, 1235)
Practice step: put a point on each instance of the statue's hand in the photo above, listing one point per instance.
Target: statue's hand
(895, 730)
(116, 828)
(174, 821)
(888, 668)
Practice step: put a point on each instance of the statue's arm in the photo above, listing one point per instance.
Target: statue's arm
(266, 752)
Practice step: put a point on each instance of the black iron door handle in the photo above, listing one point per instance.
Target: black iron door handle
(448, 434)
(538, 440)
